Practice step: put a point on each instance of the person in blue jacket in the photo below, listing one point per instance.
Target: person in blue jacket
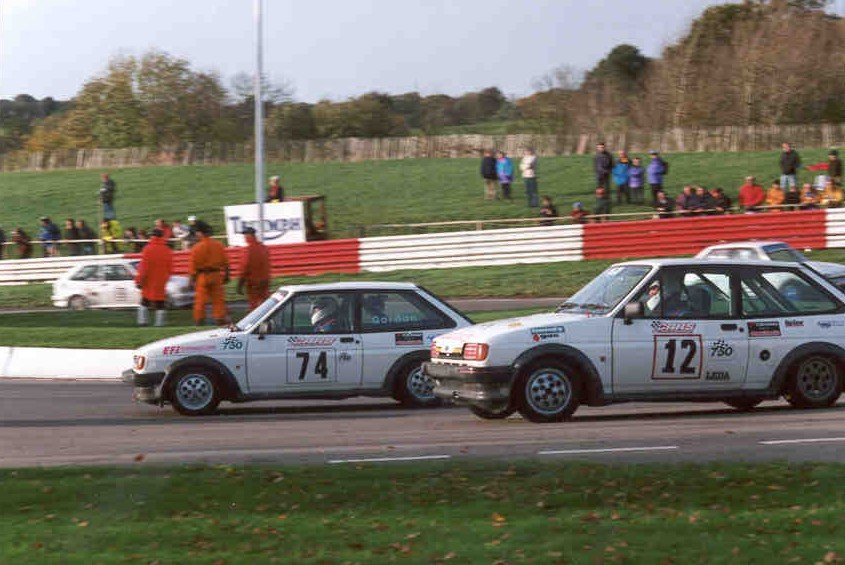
(49, 235)
(620, 178)
(656, 170)
(504, 170)
(636, 180)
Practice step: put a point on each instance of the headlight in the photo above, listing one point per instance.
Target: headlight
(476, 351)
(140, 362)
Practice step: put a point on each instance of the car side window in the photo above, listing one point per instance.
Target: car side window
(280, 321)
(688, 294)
(322, 313)
(116, 273)
(87, 273)
(395, 311)
(774, 292)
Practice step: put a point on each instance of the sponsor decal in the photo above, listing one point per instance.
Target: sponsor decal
(408, 338)
(515, 325)
(794, 323)
(231, 343)
(548, 332)
(660, 327)
(827, 324)
(717, 376)
(345, 356)
(763, 329)
(319, 341)
(721, 349)
(181, 349)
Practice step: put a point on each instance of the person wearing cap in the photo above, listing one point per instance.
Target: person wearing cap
(275, 192)
(255, 270)
(209, 269)
(154, 271)
(655, 172)
(578, 213)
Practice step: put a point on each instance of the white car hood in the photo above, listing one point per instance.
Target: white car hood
(195, 338)
(483, 333)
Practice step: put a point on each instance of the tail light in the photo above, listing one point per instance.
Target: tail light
(140, 362)
(434, 352)
(476, 351)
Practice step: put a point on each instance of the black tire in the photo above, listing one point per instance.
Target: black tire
(412, 388)
(194, 391)
(815, 382)
(548, 391)
(743, 404)
(485, 414)
(77, 303)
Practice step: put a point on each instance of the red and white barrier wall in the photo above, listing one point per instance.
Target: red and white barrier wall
(816, 229)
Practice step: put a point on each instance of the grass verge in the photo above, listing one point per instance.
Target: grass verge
(458, 512)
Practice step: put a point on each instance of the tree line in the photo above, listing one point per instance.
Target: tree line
(752, 63)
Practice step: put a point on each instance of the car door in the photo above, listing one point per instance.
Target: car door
(689, 339)
(118, 286)
(301, 353)
(393, 324)
(86, 283)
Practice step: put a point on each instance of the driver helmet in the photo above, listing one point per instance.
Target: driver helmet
(322, 309)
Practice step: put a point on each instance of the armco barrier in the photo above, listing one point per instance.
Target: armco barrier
(19, 271)
(686, 236)
(471, 248)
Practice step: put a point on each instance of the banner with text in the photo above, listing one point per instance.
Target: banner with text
(284, 222)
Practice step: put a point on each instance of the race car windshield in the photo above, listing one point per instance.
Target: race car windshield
(263, 309)
(782, 253)
(605, 291)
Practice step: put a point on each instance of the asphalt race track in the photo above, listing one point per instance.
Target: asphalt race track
(79, 423)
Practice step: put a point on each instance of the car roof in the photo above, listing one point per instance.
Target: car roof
(708, 263)
(742, 244)
(349, 286)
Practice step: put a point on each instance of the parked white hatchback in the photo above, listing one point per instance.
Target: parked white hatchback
(688, 329)
(309, 341)
(111, 284)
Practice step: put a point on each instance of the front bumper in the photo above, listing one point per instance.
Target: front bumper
(488, 387)
(59, 301)
(147, 385)
(179, 299)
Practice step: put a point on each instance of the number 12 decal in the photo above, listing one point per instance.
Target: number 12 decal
(677, 357)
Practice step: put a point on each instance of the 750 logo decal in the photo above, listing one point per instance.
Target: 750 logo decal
(721, 348)
(231, 343)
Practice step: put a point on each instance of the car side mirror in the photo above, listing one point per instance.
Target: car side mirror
(263, 329)
(632, 310)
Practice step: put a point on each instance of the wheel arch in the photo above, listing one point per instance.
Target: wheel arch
(780, 377)
(591, 386)
(230, 389)
(392, 375)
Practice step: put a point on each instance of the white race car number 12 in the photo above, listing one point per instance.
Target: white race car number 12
(677, 357)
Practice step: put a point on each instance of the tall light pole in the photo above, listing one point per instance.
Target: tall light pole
(259, 118)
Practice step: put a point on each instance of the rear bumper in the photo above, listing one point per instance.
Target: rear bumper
(147, 386)
(488, 387)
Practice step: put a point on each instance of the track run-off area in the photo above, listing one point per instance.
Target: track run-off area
(55, 423)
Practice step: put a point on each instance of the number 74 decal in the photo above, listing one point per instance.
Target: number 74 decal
(677, 357)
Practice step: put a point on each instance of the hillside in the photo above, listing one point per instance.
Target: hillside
(358, 193)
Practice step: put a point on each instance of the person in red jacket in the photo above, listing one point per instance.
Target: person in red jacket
(751, 195)
(255, 273)
(153, 273)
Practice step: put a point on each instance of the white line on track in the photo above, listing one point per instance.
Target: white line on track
(607, 450)
(389, 459)
(810, 440)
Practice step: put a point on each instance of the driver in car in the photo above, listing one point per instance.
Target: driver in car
(324, 315)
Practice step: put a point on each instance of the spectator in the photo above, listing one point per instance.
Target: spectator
(107, 190)
(603, 165)
(602, 204)
(194, 226)
(528, 167)
(182, 233)
(71, 233)
(130, 239)
(579, 214)
(792, 199)
(143, 240)
(685, 201)
(621, 177)
(23, 243)
(663, 205)
(111, 233)
(809, 197)
(504, 170)
(636, 180)
(85, 233)
(2, 242)
(548, 210)
(275, 192)
(49, 235)
(831, 197)
(790, 162)
(775, 197)
(488, 173)
(701, 203)
(834, 167)
(655, 172)
(721, 202)
(154, 271)
(751, 195)
(165, 229)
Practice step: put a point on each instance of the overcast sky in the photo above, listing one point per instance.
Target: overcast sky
(333, 48)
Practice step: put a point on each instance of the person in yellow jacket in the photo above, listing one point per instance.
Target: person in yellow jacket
(209, 269)
(775, 197)
(831, 196)
(111, 233)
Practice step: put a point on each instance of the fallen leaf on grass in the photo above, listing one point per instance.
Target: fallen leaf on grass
(831, 557)
(82, 524)
(498, 518)
(138, 458)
